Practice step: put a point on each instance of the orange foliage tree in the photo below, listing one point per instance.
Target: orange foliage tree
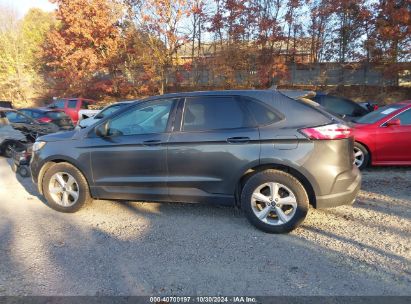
(78, 53)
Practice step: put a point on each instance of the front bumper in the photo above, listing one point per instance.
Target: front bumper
(345, 190)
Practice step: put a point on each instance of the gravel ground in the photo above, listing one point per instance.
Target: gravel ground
(128, 248)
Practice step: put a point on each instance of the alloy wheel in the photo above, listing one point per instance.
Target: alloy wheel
(64, 189)
(273, 203)
(358, 157)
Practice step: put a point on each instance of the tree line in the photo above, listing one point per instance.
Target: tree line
(132, 48)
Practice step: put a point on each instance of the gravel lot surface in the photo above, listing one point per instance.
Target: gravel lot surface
(129, 248)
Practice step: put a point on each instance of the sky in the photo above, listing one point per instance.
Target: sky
(22, 6)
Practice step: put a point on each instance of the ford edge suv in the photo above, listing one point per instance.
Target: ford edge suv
(260, 150)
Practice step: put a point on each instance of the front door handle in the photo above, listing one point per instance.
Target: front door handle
(152, 142)
(235, 140)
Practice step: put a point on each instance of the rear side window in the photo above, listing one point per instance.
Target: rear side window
(261, 113)
(72, 104)
(214, 113)
(342, 106)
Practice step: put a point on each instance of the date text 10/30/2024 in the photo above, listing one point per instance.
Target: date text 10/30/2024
(199, 299)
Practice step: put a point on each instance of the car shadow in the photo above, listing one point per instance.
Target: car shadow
(169, 249)
(131, 248)
(27, 184)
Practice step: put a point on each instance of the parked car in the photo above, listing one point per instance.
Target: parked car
(383, 137)
(369, 105)
(28, 126)
(47, 115)
(86, 113)
(102, 113)
(72, 106)
(230, 147)
(10, 138)
(345, 108)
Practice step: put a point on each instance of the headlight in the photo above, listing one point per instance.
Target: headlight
(38, 145)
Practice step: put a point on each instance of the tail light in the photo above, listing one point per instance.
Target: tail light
(44, 119)
(375, 107)
(333, 131)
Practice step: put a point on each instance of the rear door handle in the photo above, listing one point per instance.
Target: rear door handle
(238, 140)
(151, 142)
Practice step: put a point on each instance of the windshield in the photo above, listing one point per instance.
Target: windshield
(108, 111)
(375, 116)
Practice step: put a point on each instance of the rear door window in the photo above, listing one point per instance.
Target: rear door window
(213, 113)
(72, 104)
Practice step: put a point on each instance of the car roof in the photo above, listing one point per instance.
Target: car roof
(76, 98)
(43, 109)
(207, 93)
(121, 102)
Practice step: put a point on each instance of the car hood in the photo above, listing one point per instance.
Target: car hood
(60, 136)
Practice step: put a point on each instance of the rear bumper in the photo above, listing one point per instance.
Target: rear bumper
(345, 190)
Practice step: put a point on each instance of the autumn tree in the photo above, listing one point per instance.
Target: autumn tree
(162, 23)
(269, 38)
(20, 77)
(78, 53)
(393, 30)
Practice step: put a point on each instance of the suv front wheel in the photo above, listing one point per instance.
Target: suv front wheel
(65, 188)
(274, 201)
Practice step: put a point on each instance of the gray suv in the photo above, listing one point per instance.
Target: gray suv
(260, 150)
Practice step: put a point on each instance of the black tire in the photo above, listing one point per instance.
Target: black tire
(289, 181)
(82, 187)
(365, 153)
(24, 171)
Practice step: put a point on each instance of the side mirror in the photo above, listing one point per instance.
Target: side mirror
(99, 116)
(103, 129)
(393, 122)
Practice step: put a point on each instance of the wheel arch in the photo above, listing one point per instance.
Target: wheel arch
(50, 162)
(366, 146)
(281, 167)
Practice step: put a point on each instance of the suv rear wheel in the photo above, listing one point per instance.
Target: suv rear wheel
(274, 201)
(65, 188)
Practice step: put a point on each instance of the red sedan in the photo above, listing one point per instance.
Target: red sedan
(383, 137)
